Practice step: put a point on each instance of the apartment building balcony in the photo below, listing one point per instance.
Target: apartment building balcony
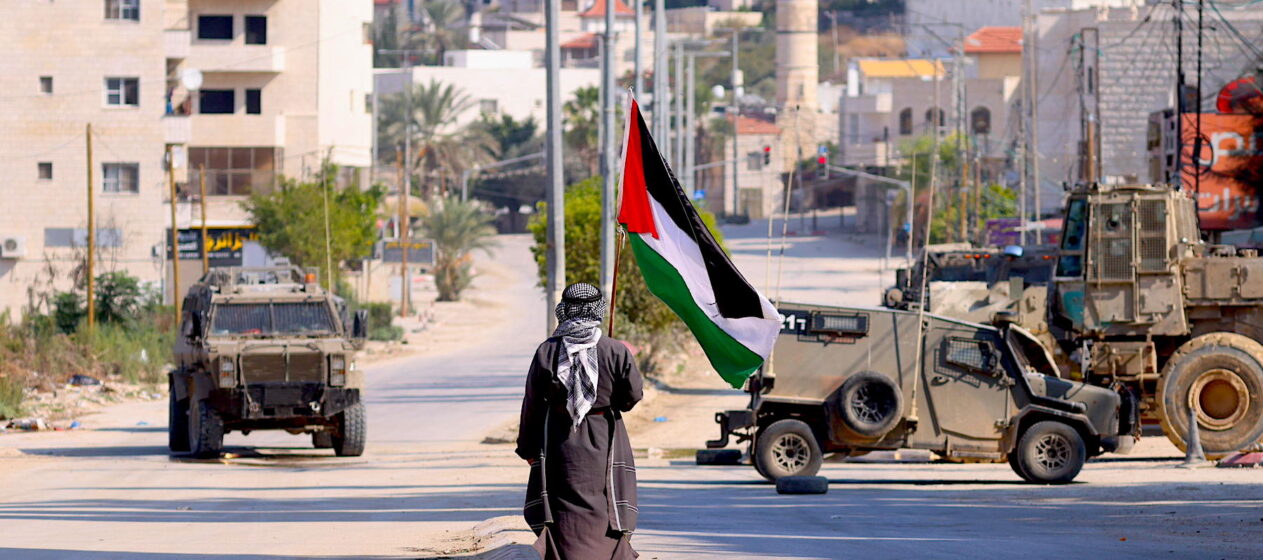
(233, 57)
(177, 129)
(237, 130)
(868, 104)
(176, 43)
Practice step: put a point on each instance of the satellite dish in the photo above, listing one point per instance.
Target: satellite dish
(191, 79)
(717, 92)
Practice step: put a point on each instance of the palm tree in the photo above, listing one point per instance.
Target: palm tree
(583, 114)
(441, 148)
(458, 229)
(439, 30)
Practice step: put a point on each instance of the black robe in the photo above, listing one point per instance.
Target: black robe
(581, 495)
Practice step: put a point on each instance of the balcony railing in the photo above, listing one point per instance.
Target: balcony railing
(232, 57)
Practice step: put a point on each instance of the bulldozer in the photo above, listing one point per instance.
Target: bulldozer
(1144, 305)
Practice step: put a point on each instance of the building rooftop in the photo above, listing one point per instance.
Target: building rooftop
(585, 41)
(986, 40)
(900, 68)
(598, 9)
(752, 126)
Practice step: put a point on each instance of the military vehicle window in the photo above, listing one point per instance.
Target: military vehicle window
(829, 323)
(1073, 238)
(1030, 353)
(971, 354)
(302, 318)
(242, 318)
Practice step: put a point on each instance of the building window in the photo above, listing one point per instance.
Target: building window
(980, 120)
(122, 9)
(122, 92)
(234, 171)
(46, 85)
(929, 116)
(45, 170)
(216, 101)
(905, 121)
(214, 27)
(256, 30)
(120, 177)
(254, 101)
(488, 106)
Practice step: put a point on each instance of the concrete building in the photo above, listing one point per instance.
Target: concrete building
(73, 63)
(1136, 70)
(502, 82)
(933, 26)
(760, 165)
(705, 20)
(283, 84)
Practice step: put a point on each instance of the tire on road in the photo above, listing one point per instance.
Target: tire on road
(802, 485)
(322, 440)
(206, 430)
(1220, 377)
(348, 440)
(718, 457)
(1050, 452)
(866, 406)
(177, 420)
(1017, 466)
(787, 448)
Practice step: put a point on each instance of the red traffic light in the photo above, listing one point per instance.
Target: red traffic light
(767, 149)
(822, 160)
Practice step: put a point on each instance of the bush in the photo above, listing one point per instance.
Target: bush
(387, 333)
(380, 315)
(10, 397)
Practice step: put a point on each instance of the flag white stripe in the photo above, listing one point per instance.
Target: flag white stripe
(678, 248)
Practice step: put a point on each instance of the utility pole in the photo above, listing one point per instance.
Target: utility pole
(690, 145)
(1033, 128)
(556, 246)
(639, 78)
(405, 275)
(175, 240)
(201, 179)
(735, 109)
(607, 151)
(678, 91)
(92, 238)
(660, 73)
(833, 20)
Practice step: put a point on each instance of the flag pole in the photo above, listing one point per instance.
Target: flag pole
(618, 254)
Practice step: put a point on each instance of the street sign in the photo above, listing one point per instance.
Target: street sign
(699, 194)
(224, 244)
(420, 251)
(822, 150)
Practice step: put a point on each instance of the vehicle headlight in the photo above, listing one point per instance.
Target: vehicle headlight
(227, 372)
(337, 370)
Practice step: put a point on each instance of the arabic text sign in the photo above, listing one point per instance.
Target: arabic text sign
(420, 251)
(223, 246)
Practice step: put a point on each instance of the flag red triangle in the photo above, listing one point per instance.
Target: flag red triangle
(635, 213)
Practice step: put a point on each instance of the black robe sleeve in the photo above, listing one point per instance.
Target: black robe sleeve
(628, 383)
(534, 405)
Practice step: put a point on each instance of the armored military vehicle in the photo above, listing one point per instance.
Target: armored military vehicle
(1148, 306)
(266, 349)
(852, 380)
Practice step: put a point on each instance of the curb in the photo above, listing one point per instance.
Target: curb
(499, 539)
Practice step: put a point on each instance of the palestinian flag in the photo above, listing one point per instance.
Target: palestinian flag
(685, 267)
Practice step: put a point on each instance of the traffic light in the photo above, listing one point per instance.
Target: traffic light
(767, 155)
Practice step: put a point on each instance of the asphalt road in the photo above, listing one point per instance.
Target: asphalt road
(112, 491)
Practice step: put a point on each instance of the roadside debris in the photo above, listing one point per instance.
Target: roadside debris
(28, 424)
(79, 379)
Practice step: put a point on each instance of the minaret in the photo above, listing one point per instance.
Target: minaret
(797, 73)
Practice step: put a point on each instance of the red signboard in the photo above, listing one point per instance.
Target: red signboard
(1228, 173)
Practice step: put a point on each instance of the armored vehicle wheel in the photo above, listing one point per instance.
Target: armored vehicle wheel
(787, 448)
(322, 440)
(1219, 376)
(1016, 466)
(177, 421)
(867, 405)
(348, 441)
(1049, 453)
(206, 430)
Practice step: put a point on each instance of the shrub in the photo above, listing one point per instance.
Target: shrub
(10, 396)
(387, 333)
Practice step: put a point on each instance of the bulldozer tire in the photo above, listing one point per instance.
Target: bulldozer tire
(787, 448)
(349, 439)
(1050, 452)
(206, 430)
(177, 421)
(1219, 376)
(866, 406)
(322, 440)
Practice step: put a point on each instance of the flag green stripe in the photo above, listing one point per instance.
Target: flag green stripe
(731, 359)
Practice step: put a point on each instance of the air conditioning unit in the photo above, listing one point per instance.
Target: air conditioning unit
(12, 247)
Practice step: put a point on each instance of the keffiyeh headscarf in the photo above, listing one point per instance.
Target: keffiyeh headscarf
(579, 317)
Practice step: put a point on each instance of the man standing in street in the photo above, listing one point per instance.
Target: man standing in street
(581, 495)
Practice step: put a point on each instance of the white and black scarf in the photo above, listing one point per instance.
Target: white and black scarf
(577, 366)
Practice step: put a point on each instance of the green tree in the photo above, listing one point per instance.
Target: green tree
(442, 28)
(291, 221)
(441, 147)
(458, 229)
(996, 201)
(582, 116)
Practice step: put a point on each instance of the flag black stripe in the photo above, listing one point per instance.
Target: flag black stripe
(734, 296)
